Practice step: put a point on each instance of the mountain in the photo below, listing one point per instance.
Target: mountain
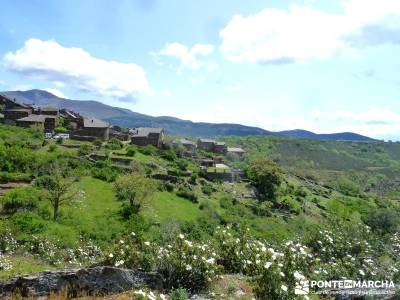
(304, 134)
(127, 118)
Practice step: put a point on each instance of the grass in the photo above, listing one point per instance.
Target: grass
(24, 265)
(167, 206)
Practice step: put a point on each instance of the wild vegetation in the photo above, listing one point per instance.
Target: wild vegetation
(304, 210)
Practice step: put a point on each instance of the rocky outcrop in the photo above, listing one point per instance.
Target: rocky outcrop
(95, 280)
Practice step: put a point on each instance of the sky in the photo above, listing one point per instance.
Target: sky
(325, 66)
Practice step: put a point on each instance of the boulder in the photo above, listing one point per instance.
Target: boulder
(98, 280)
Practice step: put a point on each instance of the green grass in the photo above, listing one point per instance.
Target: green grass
(164, 206)
(24, 265)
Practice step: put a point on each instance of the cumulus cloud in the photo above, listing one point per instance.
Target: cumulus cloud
(76, 68)
(302, 32)
(189, 58)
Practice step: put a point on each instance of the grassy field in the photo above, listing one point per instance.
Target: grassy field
(167, 206)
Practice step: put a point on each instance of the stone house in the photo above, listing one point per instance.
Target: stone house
(144, 136)
(92, 129)
(47, 122)
(11, 115)
(212, 146)
(207, 163)
(189, 145)
(206, 144)
(236, 151)
(220, 147)
(49, 111)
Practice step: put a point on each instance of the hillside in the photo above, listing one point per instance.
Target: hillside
(311, 208)
(174, 126)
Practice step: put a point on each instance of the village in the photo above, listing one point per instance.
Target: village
(63, 124)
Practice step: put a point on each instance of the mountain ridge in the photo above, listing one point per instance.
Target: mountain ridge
(175, 126)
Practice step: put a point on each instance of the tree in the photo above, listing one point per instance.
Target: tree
(134, 188)
(58, 185)
(266, 175)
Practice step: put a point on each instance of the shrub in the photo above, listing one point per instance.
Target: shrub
(98, 143)
(267, 177)
(106, 174)
(20, 199)
(207, 189)
(61, 129)
(169, 155)
(53, 148)
(132, 252)
(114, 144)
(169, 187)
(383, 220)
(8, 244)
(179, 294)
(84, 149)
(29, 222)
(148, 150)
(131, 151)
(187, 194)
(187, 264)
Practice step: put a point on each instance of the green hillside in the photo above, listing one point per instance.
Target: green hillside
(320, 186)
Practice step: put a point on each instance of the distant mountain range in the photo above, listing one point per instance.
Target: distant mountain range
(174, 126)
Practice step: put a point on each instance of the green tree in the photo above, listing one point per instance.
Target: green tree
(58, 185)
(266, 175)
(134, 188)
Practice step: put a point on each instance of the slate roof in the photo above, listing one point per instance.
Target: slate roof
(187, 142)
(145, 131)
(94, 123)
(206, 141)
(48, 108)
(34, 118)
(235, 149)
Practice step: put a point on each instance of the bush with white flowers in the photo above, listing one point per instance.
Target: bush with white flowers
(132, 252)
(188, 264)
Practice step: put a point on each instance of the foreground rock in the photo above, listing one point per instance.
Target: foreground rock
(94, 280)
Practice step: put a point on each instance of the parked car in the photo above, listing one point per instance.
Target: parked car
(48, 135)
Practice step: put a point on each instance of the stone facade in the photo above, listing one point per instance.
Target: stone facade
(147, 136)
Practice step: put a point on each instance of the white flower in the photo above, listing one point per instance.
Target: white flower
(267, 265)
(298, 276)
(284, 288)
(140, 292)
(282, 274)
(210, 260)
(188, 268)
(361, 272)
(181, 236)
(119, 263)
(147, 243)
(111, 255)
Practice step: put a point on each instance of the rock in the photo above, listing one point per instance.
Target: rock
(94, 280)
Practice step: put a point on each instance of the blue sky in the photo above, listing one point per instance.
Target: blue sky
(325, 66)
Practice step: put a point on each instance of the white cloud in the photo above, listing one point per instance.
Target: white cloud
(56, 92)
(20, 87)
(373, 121)
(189, 58)
(302, 32)
(75, 67)
(2, 82)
